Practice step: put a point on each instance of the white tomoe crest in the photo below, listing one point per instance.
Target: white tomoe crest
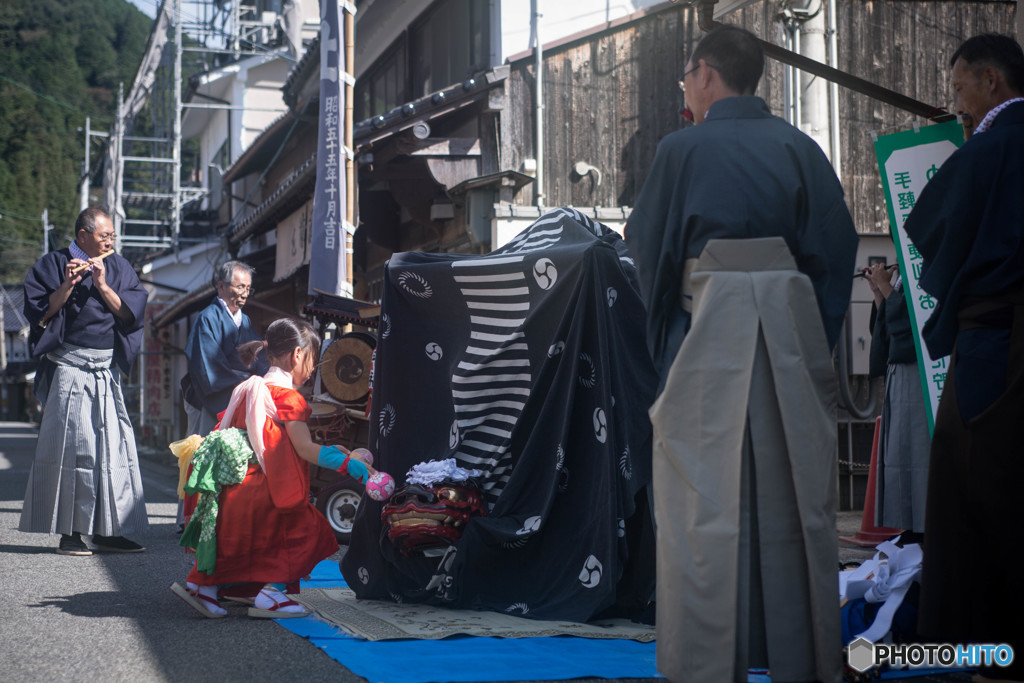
(545, 273)
(434, 351)
(530, 526)
(600, 425)
(590, 575)
(364, 575)
(453, 435)
(556, 349)
(612, 296)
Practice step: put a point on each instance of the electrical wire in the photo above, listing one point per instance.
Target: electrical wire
(210, 30)
(39, 94)
(53, 100)
(4, 213)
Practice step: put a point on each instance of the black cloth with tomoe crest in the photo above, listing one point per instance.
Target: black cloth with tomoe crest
(530, 364)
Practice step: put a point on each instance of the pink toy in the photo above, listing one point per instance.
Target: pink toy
(363, 454)
(380, 486)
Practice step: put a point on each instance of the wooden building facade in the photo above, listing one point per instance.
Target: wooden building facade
(439, 171)
(610, 95)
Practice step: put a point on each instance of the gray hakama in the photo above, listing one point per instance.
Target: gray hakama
(745, 477)
(904, 451)
(85, 476)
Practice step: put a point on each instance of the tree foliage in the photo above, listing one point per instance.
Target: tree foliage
(60, 61)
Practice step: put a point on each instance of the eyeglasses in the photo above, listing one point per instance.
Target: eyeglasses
(682, 80)
(241, 289)
(107, 237)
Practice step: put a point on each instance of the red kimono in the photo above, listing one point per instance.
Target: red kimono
(267, 530)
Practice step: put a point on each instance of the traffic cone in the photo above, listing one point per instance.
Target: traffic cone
(869, 534)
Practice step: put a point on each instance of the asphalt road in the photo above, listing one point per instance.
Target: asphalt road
(112, 617)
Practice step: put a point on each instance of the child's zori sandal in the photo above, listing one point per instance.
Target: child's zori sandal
(206, 605)
(273, 604)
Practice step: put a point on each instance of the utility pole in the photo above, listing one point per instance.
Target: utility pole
(84, 203)
(46, 226)
(176, 132)
(538, 65)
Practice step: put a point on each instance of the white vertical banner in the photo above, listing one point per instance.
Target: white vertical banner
(907, 161)
(327, 264)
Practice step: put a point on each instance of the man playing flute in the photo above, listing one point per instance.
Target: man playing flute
(86, 309)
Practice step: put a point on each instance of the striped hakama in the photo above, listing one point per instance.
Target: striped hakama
(85, 476)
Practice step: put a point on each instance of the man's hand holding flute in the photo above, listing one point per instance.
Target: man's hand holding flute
(74, 271)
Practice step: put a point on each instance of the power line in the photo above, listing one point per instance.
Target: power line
(4, 213)
(18, 241)
(211, 31)
(39, 94)
(51, 99)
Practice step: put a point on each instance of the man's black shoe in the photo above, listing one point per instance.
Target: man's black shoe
(115, 544)
(73, 545)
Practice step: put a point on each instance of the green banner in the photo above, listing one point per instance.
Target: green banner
(907, 161)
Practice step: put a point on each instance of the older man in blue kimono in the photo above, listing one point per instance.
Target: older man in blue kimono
(85, 305)
(968, 224)
(213, 364)
(745, 250)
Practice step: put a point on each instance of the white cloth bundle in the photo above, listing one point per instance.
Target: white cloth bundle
(883, 580)
(434, 471)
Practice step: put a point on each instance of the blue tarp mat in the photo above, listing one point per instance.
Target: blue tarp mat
(470, 658)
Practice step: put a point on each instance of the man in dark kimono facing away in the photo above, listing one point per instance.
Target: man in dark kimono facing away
(745, 250)
(968, 224)
(86, 313)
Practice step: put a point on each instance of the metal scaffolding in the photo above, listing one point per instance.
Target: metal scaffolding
(149, 186)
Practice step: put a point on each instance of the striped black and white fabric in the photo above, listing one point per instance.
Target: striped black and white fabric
(85, 476)
(529, 364)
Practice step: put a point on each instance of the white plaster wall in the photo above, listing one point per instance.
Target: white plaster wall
(262, 90)
(559, 19)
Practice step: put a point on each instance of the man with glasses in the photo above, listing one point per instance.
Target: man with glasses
(214, 369)
(745, 250)
(86, 309)
(968, 225)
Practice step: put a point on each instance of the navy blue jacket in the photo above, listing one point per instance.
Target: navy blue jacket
(742, 173)
(213, 363)
(85, 319)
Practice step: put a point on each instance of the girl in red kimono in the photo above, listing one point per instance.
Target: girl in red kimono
(267, 533)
